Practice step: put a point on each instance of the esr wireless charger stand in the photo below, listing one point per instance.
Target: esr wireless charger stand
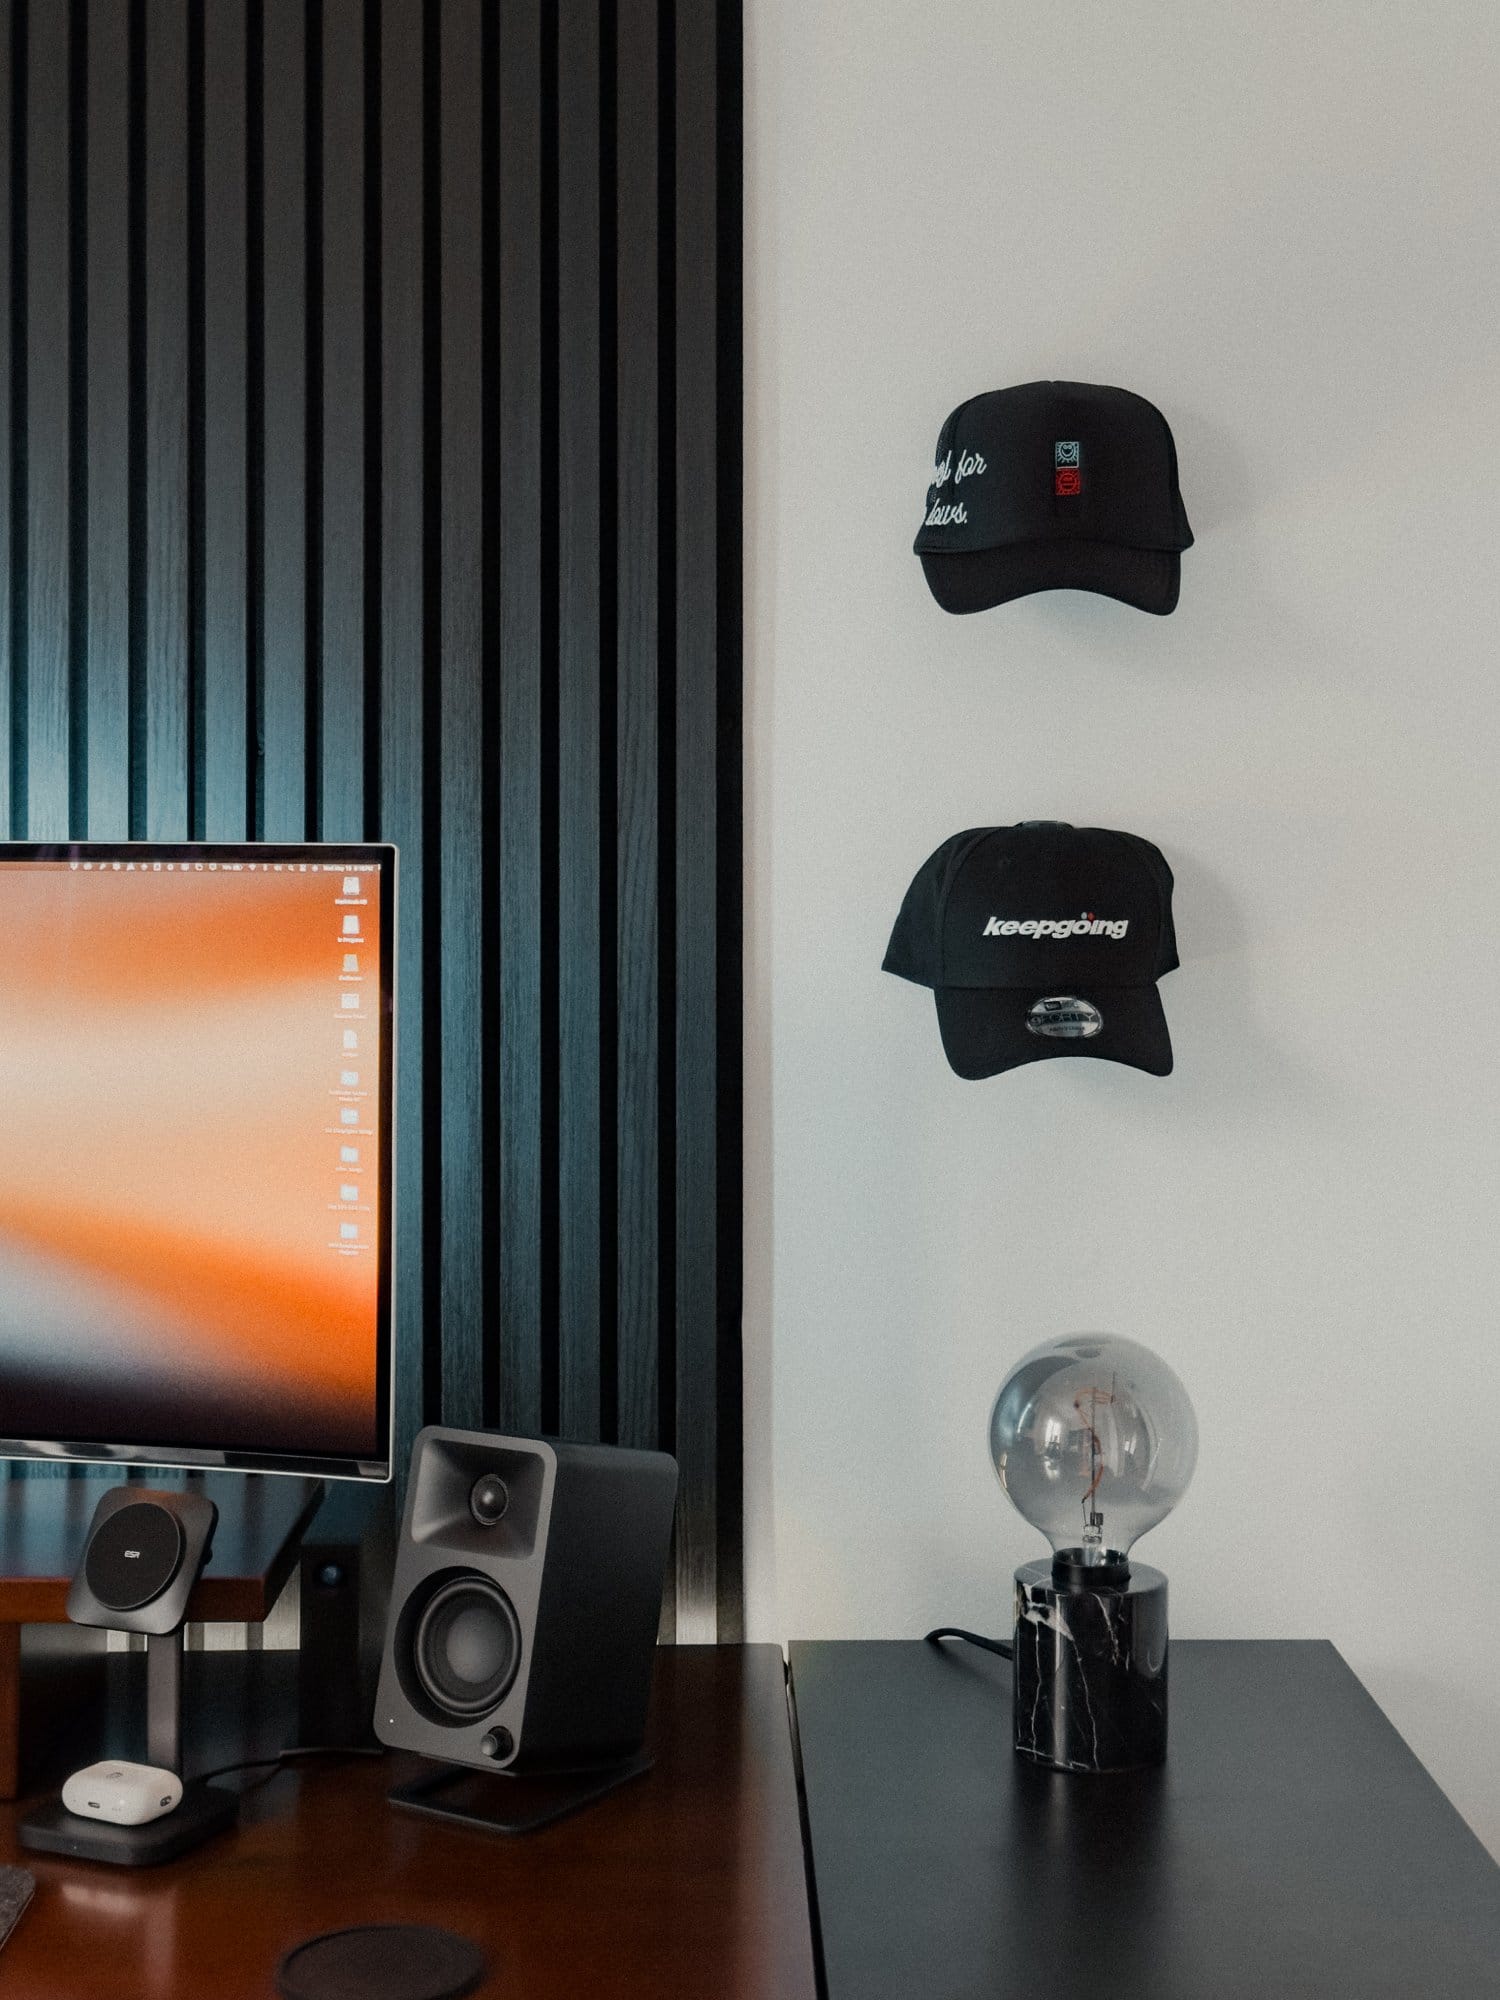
(204, 1810)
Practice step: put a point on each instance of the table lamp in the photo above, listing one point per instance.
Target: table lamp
(1094, 1440)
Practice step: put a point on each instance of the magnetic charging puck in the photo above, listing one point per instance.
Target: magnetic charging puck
(133, 1555)
(381, 1962)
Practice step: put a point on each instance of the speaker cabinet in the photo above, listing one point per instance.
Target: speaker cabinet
(524, 1607)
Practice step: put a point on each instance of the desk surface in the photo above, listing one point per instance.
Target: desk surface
(688, 1882)
(1292, 1846)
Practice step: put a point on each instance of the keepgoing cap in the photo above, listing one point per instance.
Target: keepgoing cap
(1054, 486)
(1041, 940)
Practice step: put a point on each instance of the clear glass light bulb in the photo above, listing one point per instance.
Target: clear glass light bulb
(1094, 1440)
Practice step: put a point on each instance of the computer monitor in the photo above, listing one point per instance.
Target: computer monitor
(195, 1155)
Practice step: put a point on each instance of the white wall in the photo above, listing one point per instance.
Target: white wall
(1280, 223)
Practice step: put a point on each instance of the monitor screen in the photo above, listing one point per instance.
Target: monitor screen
(195, 1149)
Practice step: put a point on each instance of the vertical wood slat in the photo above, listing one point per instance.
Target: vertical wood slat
(10, 443)
(283, 525)
(165, 668)
(106, 530)
(402, 737)
(578, 823)
(696, 1069)
(341, 676)
(505, 667)
(636, 774)
(47, 423)
(461, 885)
(225, 777)
(729, 1499)
(520, 669)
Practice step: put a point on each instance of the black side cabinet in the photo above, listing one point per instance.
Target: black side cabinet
(1292, 1845)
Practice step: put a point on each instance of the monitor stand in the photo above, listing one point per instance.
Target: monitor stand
(204, 1810)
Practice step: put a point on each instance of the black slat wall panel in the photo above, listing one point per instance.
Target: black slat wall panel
(12, 440)
(48, 415)
(525, 1085)
(458, 671)
(221, 568)
(579, 851)
(103, 507)
(162, 579)
(370, 466)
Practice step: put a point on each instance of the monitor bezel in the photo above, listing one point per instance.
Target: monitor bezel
(215, 1458)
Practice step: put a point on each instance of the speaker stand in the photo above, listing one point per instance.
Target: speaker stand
(203, 1811)
(498, 1802)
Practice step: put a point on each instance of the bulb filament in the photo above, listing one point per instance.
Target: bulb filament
(1093, 1519)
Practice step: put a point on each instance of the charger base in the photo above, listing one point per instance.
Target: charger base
(205, 1811)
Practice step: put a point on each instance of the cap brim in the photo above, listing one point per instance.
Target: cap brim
(984, 1029)
(979, 579)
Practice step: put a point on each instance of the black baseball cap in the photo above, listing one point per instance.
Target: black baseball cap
(1054, 486)
(1041, 940)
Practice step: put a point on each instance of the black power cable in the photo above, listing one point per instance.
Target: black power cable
(1001, 1646)
(271, 1765)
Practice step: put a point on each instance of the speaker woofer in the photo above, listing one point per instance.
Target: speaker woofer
(466, 1646)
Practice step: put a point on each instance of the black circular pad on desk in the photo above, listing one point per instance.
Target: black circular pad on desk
(381, 1962)
(134, 1556)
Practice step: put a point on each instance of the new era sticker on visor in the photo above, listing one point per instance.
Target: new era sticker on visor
(1064, 1018)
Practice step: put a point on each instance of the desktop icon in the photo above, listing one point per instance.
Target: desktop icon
(349, 1231)
(351, 1039)
(349, 1115)
(351, 1000)
(351, 961)
(348, 1192)
(349, 1078)
(349, 1156)
(351, 885)
(351, 926)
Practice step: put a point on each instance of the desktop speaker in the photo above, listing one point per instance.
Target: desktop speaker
(525, 1601)
(144, 1552)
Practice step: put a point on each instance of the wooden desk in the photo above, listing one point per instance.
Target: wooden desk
(42, 1526)
(689, 1882)
(1292, 1848)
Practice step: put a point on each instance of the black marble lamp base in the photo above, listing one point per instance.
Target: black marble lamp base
(1090, 1672)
